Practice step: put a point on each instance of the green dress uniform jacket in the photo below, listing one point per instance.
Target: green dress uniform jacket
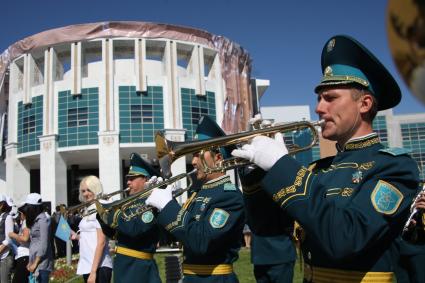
(272, 249)
(409, 262)
(209, 225)
(136, 243)
(351, 206)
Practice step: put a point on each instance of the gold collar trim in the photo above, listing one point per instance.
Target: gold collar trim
(364, 142)
(216, 182)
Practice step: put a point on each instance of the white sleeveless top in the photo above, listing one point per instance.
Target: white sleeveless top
(88, 242)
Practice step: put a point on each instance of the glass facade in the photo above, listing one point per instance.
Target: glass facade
(78, 117)
(300, 138)
(193, 107)
(413, 137)
(30, 125)
(141, 114)
(315, 152)
(380, 127)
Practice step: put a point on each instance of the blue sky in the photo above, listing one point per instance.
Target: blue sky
(284, 38)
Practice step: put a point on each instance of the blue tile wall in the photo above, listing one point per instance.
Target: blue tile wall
(141, 114)
(78, 117)
(30, 125)
(194, 106)
(413, 137)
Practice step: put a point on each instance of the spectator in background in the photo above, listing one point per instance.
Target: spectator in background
(40, 256)
(6, 226)
(22, 239)
(95, 263)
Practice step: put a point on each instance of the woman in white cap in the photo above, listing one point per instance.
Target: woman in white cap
(95, 263)
(22, 240)
(6, 226)
(40, 257)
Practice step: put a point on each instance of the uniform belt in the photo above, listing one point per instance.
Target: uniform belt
(202, 269)
(326, 275)
(133, 253)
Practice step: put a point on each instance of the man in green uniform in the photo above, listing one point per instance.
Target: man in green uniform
(273, 257)
(272, 249)
(137, 238)
(210, 223)
(409, 250)
(352, 205)
(414, 230)
(409, 260)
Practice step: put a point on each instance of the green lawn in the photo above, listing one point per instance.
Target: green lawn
(243, 268)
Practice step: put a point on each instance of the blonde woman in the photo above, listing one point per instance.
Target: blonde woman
(95, 263)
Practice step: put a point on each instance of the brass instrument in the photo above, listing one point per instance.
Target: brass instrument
(409, 234)
(128, 207)
(168, 151)
(80, 208)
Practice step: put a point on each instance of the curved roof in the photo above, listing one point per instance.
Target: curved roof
(233, 57)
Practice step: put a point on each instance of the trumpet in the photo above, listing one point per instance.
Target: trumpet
(129, 207)
(80, 208)
(168, 151)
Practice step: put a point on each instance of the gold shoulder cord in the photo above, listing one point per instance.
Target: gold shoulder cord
(189, 201)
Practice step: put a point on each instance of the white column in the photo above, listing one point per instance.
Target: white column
(50, 60)
(12, 117)
(17, 174)
(28, 72)
(199, 69)
(140, 57)
(106, 90)
(109, 161)
(76, 68)
(220, 91)
(178, 166)
(174, 107)
(53, 177)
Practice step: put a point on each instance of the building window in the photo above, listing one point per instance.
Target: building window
(197, 113)
(78, 117)
(28, 125)
(194, 106)
(141, 113)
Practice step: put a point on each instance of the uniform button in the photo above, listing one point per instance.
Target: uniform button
(309, 255)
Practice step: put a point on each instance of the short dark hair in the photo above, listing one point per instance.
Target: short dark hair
(357, 93)
(31, 211)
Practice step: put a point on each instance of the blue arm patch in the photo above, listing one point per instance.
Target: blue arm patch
(395, 151)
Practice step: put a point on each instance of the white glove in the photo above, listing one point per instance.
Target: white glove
(258, 123)
(159, 198)
(153, 181)
(263, 151)
(176, 186)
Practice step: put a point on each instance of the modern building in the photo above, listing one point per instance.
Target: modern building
(79, 100)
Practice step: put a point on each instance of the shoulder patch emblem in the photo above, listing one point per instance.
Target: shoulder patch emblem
(395, 151)
(147, 217)
(386, 198)
(219, 218)
(229, 187)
